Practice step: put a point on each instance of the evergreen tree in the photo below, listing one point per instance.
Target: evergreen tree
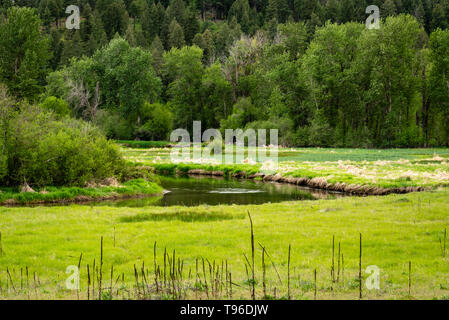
(86, 25)
(332, 10)
(315, 21)
(56, 48)
(348, 11)
(130, 36)
(272, 11)
(198, 41)
(165, 31)
(140, 39)
(157, 51)
(134, 12)
(420, 14)
(115, 18)
(177, 10)
(272, 29)
(152, 20)
(283, 11)
(303, 9)
(147, 24)
(176, 35)
(439, 18)
(45, 14)
(240, 10)
(73, 46)
(192, 26)
(208, 48)
(25, 52)
(98, 37)
(389, 8)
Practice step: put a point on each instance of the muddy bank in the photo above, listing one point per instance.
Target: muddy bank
(315, 183)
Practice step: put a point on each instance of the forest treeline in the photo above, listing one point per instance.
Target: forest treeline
(310, 68)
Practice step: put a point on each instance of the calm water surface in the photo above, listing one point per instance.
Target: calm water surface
(194, 191)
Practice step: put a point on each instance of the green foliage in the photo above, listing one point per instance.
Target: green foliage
(158, 123)
(320, 131)
(50, 194)
(244, 112)
(240, 9)
(439, 81)
(228, 170)
(176, 35)
(6, 112)
(184, 70)
(24, 51)
(115, 18)
(113, 126)
(216, 92)
(56, 105)
(125, 79)
(273, 62)
(41, 150)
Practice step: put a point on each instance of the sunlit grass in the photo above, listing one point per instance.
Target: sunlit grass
(53, 194)
(396, 229)
(391, 168)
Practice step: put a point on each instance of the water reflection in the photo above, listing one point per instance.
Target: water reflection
(194, 191)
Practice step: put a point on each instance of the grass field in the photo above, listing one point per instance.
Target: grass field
(380, 168)
(136, 187)
(395, 229)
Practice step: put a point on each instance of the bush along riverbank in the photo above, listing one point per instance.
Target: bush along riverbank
(109, 189)
(252, 172)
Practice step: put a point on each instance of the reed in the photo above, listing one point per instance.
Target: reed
(88, 282)
(253, 293)
(264, 273)
(101, 270)
(10, 279)
(409, 278)
(288, 272)
(360, 267)
(338, 263)
(333, 259)
(214, 281)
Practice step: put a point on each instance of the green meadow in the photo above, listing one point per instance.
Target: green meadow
(398, 232)
(131, 188)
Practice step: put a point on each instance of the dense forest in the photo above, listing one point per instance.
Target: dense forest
(137, 69)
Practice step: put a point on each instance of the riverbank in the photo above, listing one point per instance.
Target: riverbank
(319, 183)
(352, 171)
(130, 189)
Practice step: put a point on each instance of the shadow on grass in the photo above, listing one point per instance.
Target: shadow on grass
(184, 216)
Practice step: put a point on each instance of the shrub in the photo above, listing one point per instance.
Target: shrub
(113, 126)
(158, 123)
(56, 105)
(42, 150)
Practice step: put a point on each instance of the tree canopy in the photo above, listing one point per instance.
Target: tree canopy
(309, 68)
